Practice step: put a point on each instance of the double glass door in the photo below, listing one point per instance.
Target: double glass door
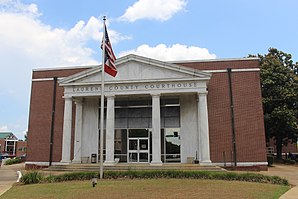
(138, 150)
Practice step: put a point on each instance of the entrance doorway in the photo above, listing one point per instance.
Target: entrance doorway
(138, 150)
(138, 146)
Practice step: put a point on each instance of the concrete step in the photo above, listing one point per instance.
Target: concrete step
(129, 167)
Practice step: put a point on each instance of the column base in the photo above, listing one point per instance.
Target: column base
(65, 161)
(76, 161)
(156, 163)
(109, 163)
(205, 163)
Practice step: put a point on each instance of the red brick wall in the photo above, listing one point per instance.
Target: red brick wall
(220, 65)
(2, 142)
(21, 145)
(248, 112)
(40, 116)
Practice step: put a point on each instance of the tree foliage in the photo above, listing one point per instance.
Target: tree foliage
(279, 82)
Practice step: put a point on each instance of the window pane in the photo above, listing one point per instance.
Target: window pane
(120, 141)
(173, 144)
(171, 122)
(137, 133)
(138, 123)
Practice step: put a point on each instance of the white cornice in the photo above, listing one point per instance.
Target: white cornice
(45, 79)
(63, 68)
(134, 81)
(216, 60)
(234, 70)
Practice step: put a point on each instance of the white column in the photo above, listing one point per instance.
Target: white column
(156, 146)
(66, 141)
(110, 130)
(77, 154)
(199, 130)
(5, 145)
(14, 147)
(204, 152)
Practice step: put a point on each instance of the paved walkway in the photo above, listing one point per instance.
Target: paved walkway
(8, 176)
(290, 172)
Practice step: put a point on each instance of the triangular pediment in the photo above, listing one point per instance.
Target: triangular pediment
(134, 68)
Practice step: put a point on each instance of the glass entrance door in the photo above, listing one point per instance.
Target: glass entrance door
(138, 150)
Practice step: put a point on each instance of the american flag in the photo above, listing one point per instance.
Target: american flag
(109, 57)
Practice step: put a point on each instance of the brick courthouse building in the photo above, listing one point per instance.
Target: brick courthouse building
(155, 112)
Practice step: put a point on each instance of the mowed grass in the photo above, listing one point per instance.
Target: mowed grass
(148, 188)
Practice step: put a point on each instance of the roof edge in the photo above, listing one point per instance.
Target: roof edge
(216, 60)
(64, 68)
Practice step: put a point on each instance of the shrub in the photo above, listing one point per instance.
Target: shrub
(72, 176)
(270, 160)
(289, 161)
(231, 176)
(13, 161)
(32, 177)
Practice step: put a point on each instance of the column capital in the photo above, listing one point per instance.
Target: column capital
(110, 96)
(202, 93)
(155, 94)
(67, 98)
(77, 101)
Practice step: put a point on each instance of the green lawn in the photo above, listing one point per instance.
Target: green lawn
(151, 188)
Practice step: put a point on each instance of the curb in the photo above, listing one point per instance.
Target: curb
(6, 189)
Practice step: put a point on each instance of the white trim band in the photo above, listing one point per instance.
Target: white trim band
(215, 60)
(46, 79)
(241, 163)
(46, 163)
(64, 68)
(233, 70)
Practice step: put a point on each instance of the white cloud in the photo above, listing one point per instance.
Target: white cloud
(160, 10)
(4, 128)
(17, 6)
(171, 53)
(27, 43)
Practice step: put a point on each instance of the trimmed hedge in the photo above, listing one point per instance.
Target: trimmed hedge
(72, 176)
(230, 176)
(289, 161)
(13, 161)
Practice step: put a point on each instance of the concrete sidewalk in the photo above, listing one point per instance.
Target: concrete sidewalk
(289, 172)
(8, 176)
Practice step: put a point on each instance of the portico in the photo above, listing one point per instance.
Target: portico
(155, 112)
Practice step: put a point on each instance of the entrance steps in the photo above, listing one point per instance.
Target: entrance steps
(129, 167)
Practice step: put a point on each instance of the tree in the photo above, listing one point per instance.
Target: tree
(279, 82)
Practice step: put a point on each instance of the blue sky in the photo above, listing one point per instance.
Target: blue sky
(51, 33)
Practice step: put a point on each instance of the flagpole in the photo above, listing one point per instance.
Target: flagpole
(102, 98)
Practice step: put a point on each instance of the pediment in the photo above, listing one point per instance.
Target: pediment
(133, 68)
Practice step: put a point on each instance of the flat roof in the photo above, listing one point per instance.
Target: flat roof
(173, 62)
(215, 60)
(64, 68)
